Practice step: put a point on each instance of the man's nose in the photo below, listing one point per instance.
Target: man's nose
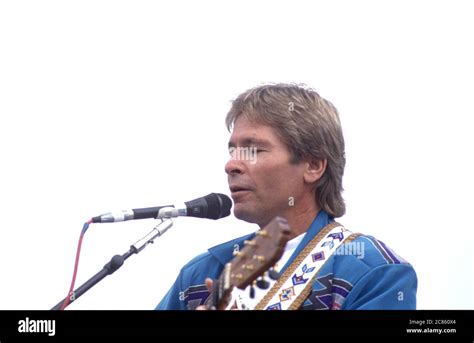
(234, 166)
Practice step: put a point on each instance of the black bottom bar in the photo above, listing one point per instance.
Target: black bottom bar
(415, 325)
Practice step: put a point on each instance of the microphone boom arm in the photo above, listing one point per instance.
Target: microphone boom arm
(117, 261)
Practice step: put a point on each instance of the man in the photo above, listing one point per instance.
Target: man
(296, 174)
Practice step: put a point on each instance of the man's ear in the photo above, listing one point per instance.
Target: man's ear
(314, 170)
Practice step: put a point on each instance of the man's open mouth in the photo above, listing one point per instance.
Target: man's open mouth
(236, 189)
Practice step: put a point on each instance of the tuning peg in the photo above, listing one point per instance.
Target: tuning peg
(248, 267)
(237, 276)
(237, 253)
(252, 290)
(262, 233)
(262, 283)
(251, 243)
(273, 274)
(259, 258)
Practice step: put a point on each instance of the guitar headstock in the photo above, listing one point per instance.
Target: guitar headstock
(258, 256)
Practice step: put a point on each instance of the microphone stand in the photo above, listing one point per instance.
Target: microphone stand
(117, 261)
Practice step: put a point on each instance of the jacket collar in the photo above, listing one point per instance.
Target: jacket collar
(225, 252)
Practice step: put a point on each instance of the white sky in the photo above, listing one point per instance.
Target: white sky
(109, 105)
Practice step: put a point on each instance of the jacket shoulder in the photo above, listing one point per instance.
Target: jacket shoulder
(375, 276)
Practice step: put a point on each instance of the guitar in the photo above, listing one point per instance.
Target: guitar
(255, 259)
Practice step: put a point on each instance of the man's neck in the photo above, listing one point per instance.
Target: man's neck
(300, 219)
(300, 222)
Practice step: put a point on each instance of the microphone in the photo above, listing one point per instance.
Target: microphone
(212, 206)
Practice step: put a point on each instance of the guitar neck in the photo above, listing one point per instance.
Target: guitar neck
(221, 290)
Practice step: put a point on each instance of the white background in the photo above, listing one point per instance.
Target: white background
(109, 105)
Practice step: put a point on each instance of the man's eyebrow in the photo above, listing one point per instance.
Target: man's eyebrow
(250, 142)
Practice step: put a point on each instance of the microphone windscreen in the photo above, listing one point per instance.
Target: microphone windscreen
(219, 205)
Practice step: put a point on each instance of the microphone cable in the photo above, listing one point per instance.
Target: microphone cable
(76, 265)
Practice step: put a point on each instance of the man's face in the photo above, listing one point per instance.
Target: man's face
(265, 185)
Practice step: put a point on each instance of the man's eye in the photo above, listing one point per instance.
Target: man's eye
(243, 152)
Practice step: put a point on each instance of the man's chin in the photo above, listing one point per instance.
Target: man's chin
(252, 214)
(245, 215)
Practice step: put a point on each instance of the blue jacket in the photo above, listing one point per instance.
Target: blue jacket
(376, 279)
